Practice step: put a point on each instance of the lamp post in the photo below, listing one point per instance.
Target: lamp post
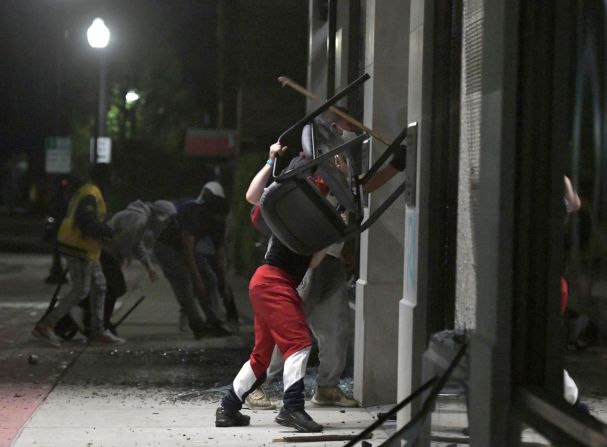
(98, 36)
(131, 97)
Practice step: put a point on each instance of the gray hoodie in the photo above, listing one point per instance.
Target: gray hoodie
(130, 225)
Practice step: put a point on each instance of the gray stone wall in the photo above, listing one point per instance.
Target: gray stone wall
(380, 286)
(469, 164)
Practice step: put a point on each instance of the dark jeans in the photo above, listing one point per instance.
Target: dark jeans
(116, 284)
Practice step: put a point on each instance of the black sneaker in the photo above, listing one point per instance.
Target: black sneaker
(226, 418)
(219, 330)
(200, 333)
(298, 419)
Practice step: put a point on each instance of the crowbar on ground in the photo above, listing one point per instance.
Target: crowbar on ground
(119, 322)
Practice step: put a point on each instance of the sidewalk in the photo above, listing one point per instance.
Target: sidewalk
(23, 233)
(161, 388)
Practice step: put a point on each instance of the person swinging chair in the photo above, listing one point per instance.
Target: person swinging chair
(294, 209)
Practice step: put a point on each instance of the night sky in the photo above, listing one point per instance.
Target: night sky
(191, 61)
(48, 72)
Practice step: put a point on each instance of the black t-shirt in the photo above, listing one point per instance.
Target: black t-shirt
(198, 219)
(279, 255)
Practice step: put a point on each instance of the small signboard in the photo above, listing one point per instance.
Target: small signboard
(58, 159)
(211, 142)
(104, 150)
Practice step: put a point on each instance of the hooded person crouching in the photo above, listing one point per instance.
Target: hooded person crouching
(135, 230)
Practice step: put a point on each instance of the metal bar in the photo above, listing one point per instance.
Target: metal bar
(316, 161)
(381, 160)
(380, 210)
(555, 418)
(416, 420)
(310, 116)
(383, 207)
(300, 89)
(328, 103)
(393, 410)
(129, 311)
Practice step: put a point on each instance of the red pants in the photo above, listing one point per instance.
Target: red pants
(564, 295)
(279, 320)
(279, 317)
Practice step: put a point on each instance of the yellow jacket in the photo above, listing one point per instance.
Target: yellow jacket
(70, 238)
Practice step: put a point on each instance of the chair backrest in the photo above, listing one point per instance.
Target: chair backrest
(294, 209)
(300, 217)
(317, 139)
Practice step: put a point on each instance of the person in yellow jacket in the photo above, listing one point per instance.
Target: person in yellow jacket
(80, 237)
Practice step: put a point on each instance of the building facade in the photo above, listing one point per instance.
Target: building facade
(501, 100)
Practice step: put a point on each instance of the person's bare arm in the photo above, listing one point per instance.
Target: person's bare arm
(260, 180)
(397, 164)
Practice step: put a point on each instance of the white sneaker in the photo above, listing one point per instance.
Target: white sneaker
(46, 334)
(105, 338)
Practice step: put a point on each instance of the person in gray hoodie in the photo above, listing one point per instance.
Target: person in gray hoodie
(135, 230)
(130, 225)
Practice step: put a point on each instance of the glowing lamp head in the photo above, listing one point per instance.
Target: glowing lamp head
(98, 34)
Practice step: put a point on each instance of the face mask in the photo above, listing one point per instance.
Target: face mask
(335, 130)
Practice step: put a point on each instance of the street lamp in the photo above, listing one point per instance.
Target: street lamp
(131, 97)
(98, 36)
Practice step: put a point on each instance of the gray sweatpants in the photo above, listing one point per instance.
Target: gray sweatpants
(325, 294)
(86, 277)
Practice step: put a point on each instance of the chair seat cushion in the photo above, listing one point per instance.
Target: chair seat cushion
(300, 217)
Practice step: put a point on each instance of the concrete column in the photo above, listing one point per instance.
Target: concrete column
(412, 317)
(490, 385)
(380, 286)
(342, 43)
(469, 164)
(317, 53)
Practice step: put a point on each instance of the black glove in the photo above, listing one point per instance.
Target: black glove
(399, 159)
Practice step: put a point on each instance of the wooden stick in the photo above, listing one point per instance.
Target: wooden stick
(319, 438)
(298, 88)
